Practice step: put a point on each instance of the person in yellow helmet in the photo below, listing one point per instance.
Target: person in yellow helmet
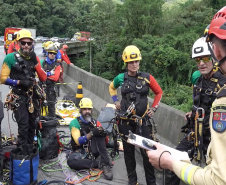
(214, 172)
(52, 69)
(84, 130)
(18, 71)
(135, 86)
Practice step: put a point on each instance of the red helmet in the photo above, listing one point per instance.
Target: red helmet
(218, 25)
(65, 46)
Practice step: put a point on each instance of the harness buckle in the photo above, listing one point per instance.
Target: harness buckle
(139, 86)
(208, 92)
(200, 113)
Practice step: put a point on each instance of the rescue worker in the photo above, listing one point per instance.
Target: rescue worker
(65, 58)
(135, 87)
(52, 68)
(18, 71)
(14, 46)
(214, 172)
(204, 94)
(86, 131)
(1, 148)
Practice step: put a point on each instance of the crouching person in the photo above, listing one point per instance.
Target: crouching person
(87, 132)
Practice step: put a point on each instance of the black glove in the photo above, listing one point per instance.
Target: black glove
(33, 57)
(98, 132)
(26, 83)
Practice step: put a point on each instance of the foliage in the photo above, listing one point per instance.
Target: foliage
(164, 31)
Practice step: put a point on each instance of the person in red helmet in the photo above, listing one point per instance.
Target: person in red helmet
(214, 172)
(65, 58)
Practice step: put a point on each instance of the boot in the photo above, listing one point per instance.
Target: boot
(107, 172)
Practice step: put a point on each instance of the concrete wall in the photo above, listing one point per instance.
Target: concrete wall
(168, 119)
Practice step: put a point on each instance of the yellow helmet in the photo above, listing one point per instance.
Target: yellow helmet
(46, 45)
(52, 48)
(131, 53)
(86, 103)
(24, 34)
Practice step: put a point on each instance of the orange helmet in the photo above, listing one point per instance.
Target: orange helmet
(218, 25)
(65, 46)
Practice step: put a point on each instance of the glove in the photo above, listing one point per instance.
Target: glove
(33, 57)
(98, 132)
(117, 105)
(151, 111)
(52, 72)
(26, 83)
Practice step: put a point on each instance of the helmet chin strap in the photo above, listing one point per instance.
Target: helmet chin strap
(211, 52)
(222, 60)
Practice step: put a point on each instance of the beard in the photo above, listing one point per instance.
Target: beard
(87, 117)
(25, 52)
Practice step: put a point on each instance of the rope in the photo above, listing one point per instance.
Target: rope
(89, 177)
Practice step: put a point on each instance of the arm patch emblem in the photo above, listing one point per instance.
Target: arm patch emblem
(219, 121)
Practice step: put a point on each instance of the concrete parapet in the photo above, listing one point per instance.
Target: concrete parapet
(168, 119)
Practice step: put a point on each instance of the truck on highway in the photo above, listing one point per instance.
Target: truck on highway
(8, 36)
(81, 36)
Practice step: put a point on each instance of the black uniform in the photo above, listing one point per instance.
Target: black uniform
(80, 159)
(24, 69)
(50, 89)
(136, 90)
(204, 94)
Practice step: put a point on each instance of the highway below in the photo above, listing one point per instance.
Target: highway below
(119, 170)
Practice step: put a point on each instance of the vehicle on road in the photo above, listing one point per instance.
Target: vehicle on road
(54, 39)
(81, 36)
(44, 39)
(1, 38)
(67, 39)
(38, 38)
(8, 36)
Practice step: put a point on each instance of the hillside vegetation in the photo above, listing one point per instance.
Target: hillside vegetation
(164, 32)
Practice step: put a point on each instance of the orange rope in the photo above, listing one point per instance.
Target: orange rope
(87, 177)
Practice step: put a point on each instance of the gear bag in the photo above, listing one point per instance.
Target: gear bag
(24, 162)
(48, 138)
(105, 117)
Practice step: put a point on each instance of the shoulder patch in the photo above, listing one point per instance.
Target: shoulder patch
(219, 121)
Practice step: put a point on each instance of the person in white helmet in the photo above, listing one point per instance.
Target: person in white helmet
(204, 93)
(214, 172)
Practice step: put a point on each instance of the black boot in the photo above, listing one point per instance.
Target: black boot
(107, 172)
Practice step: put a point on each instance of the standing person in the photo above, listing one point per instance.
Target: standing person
(83, 130)
(135, 87)
(18, 71)
(1, 148)
(65, 58)
(14, 46)
(205, 92)
(52, 68)
(214, 172)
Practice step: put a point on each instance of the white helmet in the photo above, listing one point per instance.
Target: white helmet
(200, 48)
(57, 45)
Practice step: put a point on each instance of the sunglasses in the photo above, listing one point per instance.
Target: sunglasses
(24, 43)
(51, 53)
(203, 59)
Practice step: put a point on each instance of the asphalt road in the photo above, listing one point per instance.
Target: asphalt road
(119, 169)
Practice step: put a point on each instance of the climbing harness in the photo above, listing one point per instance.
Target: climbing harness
(200, 114)
(30, 95)
(11, 101)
